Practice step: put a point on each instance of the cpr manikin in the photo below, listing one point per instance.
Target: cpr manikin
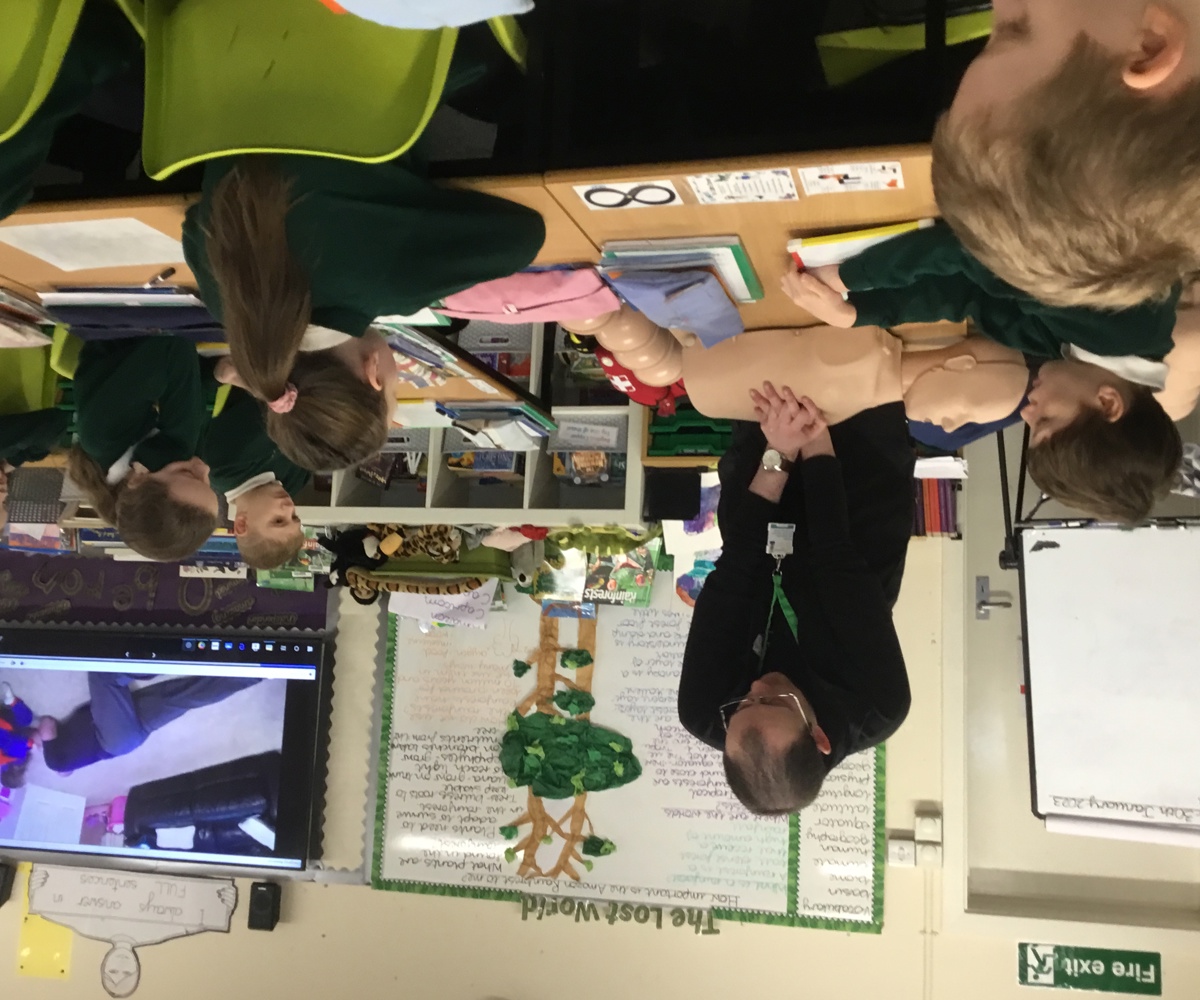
(843, 371)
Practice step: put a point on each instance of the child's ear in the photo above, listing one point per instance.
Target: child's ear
(1111, 403)
(371, 371)
(1161, 49)
(241, 525)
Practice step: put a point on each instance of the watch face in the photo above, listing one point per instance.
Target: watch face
(772, 459)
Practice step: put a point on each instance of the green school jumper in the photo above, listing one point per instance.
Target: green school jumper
(378, 239)
(144, 391)
(236, 447)
(928, 275)
(27, 437)
(103, 47)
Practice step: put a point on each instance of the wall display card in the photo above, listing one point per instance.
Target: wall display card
(628, 194)
(740, 186)
(544, 755)
(842, 178)
(92, 243)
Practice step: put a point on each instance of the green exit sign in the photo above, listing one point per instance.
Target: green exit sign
(1101, 970)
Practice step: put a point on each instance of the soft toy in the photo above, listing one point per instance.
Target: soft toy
(662, 398)
(353, 549)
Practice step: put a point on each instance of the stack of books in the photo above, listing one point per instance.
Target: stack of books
(723, 255)
(935, 512)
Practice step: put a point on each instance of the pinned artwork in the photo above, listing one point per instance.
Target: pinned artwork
(130, 911)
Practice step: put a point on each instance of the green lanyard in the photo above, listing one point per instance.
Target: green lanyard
(778, 600)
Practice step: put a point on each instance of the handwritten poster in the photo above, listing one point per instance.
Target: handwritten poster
(451, 819)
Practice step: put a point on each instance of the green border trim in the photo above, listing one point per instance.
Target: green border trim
(790, 919)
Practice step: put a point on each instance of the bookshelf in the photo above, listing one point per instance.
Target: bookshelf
(538, 498)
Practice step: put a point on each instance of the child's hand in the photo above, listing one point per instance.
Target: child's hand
(227, 374)
(816, 297)
(789, 424)
(831, 275)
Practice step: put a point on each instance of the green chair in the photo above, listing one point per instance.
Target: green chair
(225, 77)
(27, 382)
(33, 40)
(511, 38)
(848, 55)
(135, 10)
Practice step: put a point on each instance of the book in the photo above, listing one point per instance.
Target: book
(133, 295)
(624, 579)
(941, 467)
(834, 248)
(724, 254)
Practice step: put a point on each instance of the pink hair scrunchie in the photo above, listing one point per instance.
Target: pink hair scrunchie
(285, 402)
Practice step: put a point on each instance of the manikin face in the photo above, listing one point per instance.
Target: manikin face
(1062, 391)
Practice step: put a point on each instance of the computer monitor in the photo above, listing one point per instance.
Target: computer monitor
(198, 749)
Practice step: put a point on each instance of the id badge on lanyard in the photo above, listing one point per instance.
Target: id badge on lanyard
(779, 547)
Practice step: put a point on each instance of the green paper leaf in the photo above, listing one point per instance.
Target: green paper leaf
(618, 769)
(587, 864)
(573, 659)
(520, 668)
(617, 747)
(510, 855)
(557, 720)
(509, 832)
(548, 839)
(512, 723)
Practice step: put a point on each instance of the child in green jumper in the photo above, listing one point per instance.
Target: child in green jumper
(257, 480)
(297, 255)
(140, 412)
(1100, 440)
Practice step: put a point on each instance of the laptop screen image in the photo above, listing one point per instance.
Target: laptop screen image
(197, 749)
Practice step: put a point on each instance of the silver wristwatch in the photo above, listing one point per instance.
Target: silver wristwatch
(772, 461)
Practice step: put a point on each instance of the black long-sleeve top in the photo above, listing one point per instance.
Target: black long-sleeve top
(853, 517)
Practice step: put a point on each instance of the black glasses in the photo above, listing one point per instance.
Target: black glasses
(731, 708)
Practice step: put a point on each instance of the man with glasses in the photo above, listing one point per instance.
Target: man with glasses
(793, 662)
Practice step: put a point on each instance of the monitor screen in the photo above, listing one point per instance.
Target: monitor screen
(198, 749)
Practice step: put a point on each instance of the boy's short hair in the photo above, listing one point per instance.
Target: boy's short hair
(1115, 471)
(1085, 192)
(775, 786)
(269, 553)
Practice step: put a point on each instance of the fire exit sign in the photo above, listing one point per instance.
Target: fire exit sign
(1100, 970)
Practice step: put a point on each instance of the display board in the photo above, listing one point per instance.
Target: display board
(544, 754)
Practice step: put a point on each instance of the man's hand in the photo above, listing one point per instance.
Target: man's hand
(815, 296)
(789, 424)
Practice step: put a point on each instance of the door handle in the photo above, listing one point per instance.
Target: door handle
(985, 602)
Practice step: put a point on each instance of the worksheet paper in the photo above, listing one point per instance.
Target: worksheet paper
(741, 186)
(681, 838)
(843, 178)
(94, 243)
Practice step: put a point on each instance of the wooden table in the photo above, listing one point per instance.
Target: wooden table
(164, 213)
(764, 227)
(574, 232)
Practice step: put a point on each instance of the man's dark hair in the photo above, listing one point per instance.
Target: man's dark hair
(775, 785)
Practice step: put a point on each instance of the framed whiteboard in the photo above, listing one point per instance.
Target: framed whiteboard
(1112, 655)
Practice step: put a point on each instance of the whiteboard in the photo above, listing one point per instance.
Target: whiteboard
(681, 837)
(1112, 625)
